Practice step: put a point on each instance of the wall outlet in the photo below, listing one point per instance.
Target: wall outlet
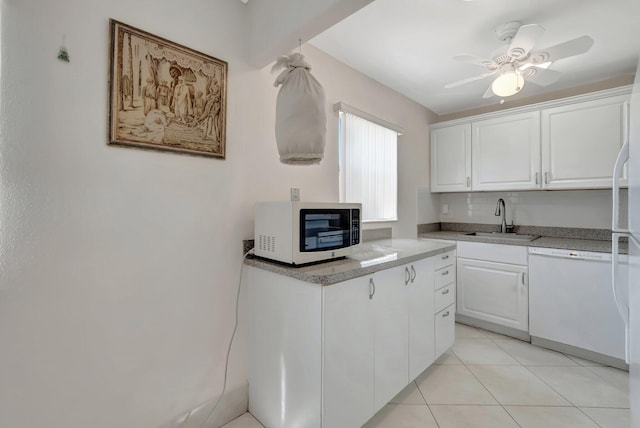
(295, 194)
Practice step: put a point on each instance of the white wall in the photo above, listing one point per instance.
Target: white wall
(567, 208)
(118, 267)
(296, 20)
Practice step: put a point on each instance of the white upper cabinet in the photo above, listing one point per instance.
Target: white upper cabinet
(580, 142)
(505, 152)
(451, 159)
(570, 143)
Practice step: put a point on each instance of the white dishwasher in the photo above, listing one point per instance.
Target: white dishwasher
(571, 300)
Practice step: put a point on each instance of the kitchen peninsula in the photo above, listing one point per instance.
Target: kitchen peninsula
(332, 343)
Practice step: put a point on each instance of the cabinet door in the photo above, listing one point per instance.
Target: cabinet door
(445, 328)
(391, 356)
(421, 321)
(580, 143)
(348, 351)
(451, 159)
(494, 292)
(506, 152)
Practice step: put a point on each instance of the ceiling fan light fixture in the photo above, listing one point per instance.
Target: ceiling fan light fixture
(507, 84)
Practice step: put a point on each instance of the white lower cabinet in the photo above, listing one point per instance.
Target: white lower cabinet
(348, 355)
(444, 302)
(391, 322)
(445, 329)
(489, 290)
(333, 356)
(421, 321)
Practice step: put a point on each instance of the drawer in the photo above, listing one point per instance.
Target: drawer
(445, 330)
(499, 253)
(444, 276)
(445, 296)
(444, 259)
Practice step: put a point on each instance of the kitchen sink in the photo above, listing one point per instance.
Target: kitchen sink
(499, 235)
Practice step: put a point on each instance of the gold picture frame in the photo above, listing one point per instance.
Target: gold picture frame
(165, 96)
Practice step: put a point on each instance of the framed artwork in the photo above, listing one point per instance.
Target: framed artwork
(165, 96)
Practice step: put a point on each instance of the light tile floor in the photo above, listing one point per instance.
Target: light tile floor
(491, 381)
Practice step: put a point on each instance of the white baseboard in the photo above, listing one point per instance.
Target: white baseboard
(233, 404)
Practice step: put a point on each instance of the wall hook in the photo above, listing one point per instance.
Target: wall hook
(63, 53)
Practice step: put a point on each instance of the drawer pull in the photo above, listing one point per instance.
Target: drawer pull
(446, 314)
(445, 257)
(446, 272)
(445, 292)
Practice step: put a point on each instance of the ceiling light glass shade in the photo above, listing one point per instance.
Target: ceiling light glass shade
(507, 84)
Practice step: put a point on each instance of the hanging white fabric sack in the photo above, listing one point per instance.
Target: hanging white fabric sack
(300, 112)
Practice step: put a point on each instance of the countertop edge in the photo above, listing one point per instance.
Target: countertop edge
(357, 271)
(593, 245)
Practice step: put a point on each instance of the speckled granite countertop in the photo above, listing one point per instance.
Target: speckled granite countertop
(598, 246)
(370, 257)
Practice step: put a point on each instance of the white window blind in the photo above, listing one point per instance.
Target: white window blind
(369, 167)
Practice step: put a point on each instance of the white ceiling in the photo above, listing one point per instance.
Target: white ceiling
(408, 45)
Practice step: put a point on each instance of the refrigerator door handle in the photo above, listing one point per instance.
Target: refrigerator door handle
(623, 157)
(615, 259)
(623, 308)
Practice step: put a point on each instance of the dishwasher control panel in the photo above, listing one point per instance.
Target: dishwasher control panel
(571, 254)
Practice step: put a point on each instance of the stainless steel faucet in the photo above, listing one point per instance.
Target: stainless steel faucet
(501, 209)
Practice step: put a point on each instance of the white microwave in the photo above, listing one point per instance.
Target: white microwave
(298, 233)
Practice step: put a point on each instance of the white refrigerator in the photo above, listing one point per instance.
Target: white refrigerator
(630, 309)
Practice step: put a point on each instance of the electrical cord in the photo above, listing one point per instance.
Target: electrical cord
(233, 335)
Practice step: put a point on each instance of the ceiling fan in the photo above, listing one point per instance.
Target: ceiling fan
(516, 63)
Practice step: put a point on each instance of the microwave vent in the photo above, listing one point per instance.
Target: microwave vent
(267, 243)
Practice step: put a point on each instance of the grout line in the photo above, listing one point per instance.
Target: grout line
(484, 386)
(433, 416)
(589, 417)
(552, 388)
(530, 371)
(569, 405)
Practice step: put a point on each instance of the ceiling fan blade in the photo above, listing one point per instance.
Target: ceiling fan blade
(488, 93)
(569, 48)
(473, 59)
(469, 80)
(543, 77)
(524, 40)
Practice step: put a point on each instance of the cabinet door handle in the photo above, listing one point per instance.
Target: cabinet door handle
(546, 178)
(537, 178)
(523, 278)
(446, 314)
(407, 276)
(414, 274)
(468, 181)
(372, 288)
(445, 292)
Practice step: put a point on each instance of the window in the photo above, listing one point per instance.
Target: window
(368, 164)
